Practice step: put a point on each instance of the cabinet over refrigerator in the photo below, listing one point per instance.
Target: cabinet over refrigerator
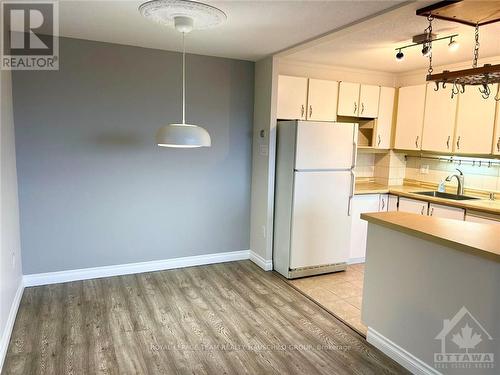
(313, 191)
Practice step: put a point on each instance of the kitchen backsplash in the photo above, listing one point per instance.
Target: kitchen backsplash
(385, 168)
(482, 177)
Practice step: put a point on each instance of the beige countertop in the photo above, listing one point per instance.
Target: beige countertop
(475, 238)
(481, 205)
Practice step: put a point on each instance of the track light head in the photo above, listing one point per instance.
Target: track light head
(426, 50)
(453, 45)
(400, 55)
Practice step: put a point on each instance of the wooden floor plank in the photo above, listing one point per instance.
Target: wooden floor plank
(230, 318)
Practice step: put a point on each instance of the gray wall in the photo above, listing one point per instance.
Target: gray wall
(94, 188)
(10, 249)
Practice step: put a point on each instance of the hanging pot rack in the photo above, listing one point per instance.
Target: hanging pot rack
(470, 13)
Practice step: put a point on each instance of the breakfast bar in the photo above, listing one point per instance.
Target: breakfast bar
(428, 282)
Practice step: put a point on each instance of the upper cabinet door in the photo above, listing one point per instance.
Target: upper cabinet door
(496, 137)
(475, 122)
(292, 98)
(383, 131)
(322, 100)
(439, 120)
(410, 117)
(368, 101)
(348, 99)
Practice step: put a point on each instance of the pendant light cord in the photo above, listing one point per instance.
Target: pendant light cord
(183, 79)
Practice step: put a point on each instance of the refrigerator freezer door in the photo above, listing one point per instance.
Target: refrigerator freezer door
(321, 227)
(325, 146)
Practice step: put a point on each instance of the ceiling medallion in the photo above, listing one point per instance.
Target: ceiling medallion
(165, 12)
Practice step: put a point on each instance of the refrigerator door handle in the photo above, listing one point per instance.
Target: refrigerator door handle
(354, 145)
(351, 194)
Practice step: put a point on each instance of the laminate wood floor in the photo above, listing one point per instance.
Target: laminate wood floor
(230, 318)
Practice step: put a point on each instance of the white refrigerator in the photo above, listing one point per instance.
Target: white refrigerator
(314, 187)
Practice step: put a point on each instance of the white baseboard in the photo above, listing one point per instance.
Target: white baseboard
(404, 358)
(356, 260)
(131, 268)
(9, 326)
(266, 265)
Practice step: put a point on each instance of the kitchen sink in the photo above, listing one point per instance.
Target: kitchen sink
(438, 194)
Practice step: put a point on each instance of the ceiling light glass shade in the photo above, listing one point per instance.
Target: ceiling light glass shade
(183, 136)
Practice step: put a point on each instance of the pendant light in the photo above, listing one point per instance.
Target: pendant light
(184, 16)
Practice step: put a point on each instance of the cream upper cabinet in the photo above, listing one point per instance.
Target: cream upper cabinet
(439, 120)
(383, 128)
(322, 100)
(292, 98)
(348, 99)
(368, 101)
(410, 117)
(475, 122)
(496, 137)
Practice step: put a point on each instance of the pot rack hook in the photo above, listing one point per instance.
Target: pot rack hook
(485, 91)
(437, 86)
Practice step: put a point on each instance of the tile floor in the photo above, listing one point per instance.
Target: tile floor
(340, 293)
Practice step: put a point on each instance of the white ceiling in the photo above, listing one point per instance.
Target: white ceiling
(254, 29)
(371, 45)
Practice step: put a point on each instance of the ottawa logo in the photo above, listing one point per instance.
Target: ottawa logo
(465, 344)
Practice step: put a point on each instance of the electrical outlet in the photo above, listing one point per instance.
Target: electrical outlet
(424, 169)
(264, 231)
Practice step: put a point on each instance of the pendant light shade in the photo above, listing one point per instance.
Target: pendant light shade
(182, 136)
(185, 16)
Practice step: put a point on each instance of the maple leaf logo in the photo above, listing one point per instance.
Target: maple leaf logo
(466, 340)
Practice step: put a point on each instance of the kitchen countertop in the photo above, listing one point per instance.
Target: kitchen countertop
(475, 238)
(481, 205)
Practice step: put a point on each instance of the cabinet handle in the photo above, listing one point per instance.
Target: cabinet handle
(380, 140)
(458, 143)
(498, 144)
(383, 204)
(432, 211)
(355, 108)
(310, 110)
(422, 211)
(302, 111)
(416, 141)
(362, 107)
(448, 142)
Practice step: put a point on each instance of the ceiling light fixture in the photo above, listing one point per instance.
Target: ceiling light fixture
(184, 16)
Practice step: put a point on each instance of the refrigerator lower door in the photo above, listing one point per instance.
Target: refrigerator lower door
(321, 225)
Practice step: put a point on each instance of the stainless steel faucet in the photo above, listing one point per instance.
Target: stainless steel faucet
(460, 180)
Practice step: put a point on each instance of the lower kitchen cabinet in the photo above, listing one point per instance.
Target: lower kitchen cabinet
(438, 210)
(413, 206)
(359, 228)
(392, 204)
(474, 217)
